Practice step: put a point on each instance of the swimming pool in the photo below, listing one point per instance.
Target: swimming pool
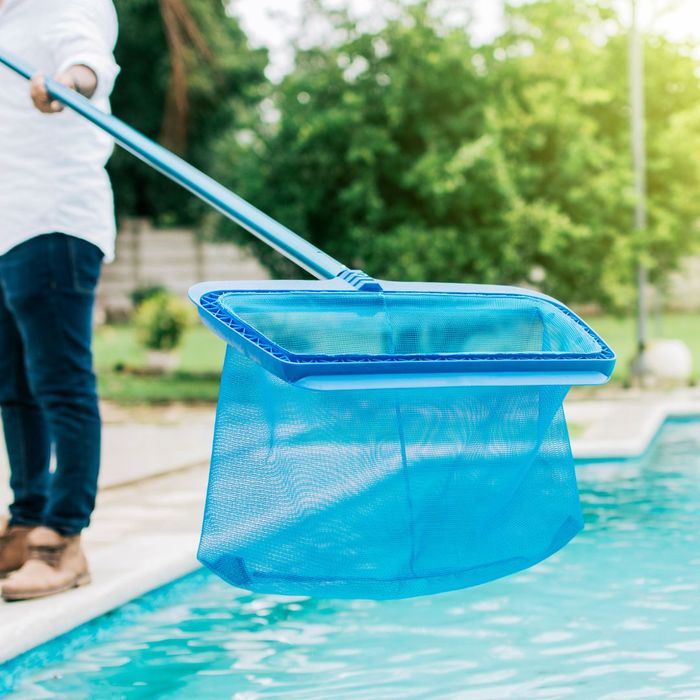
(614, 616)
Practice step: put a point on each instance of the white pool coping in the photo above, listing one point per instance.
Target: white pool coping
(143, 537)
(29, 624)
(623, 429)
(145, 533)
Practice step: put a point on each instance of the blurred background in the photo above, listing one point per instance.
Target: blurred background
(454, 140)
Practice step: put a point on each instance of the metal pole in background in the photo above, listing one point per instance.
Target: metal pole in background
(636, 68)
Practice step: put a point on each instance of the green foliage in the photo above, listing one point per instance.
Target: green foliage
(413, 154)
(223, 79)
(161, 321)
(141, 294)
(561, 99)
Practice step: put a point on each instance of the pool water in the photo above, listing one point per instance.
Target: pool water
(615, 615)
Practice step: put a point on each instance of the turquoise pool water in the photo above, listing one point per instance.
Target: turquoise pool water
(614, 616)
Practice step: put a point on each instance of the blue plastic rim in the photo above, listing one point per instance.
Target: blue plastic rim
(322, 336)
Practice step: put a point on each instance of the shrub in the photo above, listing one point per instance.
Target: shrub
(161, 321)
(141, 294)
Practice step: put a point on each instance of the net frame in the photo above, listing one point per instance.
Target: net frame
(338, 371)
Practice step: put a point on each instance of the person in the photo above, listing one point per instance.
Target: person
(56, 227)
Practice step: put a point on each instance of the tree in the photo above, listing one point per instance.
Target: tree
(381, 156)
(561, 106)
(411, 153)
(187, 74)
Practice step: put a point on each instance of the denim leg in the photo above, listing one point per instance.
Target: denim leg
(26, 432)
(50, 282)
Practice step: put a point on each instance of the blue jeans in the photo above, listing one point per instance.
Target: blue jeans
(48, 393)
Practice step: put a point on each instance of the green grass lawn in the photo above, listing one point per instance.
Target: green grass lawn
(201, 350)
(620, 334)
(120, 359)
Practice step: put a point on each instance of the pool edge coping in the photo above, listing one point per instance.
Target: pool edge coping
(89, 607)
(631, 446)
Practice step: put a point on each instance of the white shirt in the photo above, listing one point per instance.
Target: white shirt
(52, 166)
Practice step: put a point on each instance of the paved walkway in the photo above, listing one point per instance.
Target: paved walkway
(142, 442)
(153, 482)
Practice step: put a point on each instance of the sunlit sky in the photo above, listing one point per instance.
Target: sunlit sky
(274, 23)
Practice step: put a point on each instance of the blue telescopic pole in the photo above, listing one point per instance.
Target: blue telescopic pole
(273, 233)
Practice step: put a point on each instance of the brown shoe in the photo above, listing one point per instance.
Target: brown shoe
(55, 563)
(13, 547)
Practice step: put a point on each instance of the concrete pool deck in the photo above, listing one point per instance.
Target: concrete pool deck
(622, 424)
(145, 529)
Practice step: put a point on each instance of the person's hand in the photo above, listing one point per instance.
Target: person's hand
(40, 96)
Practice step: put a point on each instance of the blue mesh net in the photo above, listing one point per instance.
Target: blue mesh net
(408, 323)
(388, 493)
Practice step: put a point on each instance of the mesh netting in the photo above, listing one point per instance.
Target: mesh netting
(388, 493)
(337, 323)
